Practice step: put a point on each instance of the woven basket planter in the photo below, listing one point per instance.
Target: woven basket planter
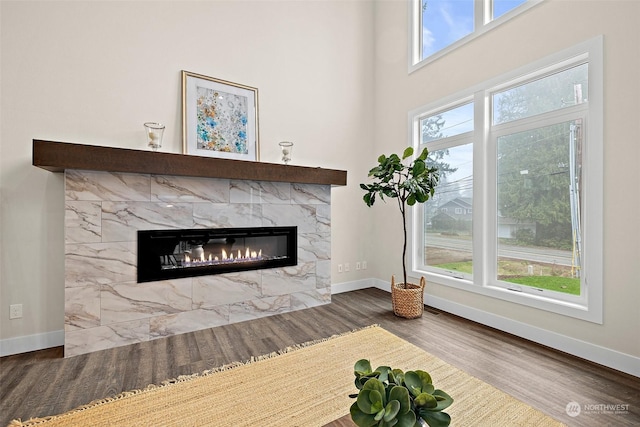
(407, 299)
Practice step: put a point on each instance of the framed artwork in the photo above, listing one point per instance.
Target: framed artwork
(219, 118)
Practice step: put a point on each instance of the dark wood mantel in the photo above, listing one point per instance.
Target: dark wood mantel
(58, 156)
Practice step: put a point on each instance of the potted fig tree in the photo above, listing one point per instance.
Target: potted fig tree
(409, 182)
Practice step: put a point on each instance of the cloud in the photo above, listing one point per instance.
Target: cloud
(427, 39)
(458, 27)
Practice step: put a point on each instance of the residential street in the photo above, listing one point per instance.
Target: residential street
(543, 255)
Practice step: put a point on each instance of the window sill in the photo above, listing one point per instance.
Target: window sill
(566, 308)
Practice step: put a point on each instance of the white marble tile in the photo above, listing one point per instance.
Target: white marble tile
(323, 217)
(229, 288)
(100, 263)
(310, 194)
(188, 321)
(122, 220)
(104, 212)
(103, 337)
(94, 185)
(312, 298)
(82, 307)
(83, 222)
(303, 216)
(288, 280)
(314, 246)
(129, 301)
(260, 192)
(323, 274)
(258, 308)
(177, 189)
(211, 215)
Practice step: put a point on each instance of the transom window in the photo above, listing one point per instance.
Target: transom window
(441, 25)
(517, 213)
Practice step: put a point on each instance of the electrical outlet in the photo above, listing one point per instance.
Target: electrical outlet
(346, 266)
(364, 265)
(339, 268)
(15, 311)
(358, 265)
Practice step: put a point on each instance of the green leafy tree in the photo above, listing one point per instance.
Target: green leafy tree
(431, 129)
(533, 181)
(533, 166)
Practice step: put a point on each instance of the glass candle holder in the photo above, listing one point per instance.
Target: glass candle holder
(154, 134)
(286, 148)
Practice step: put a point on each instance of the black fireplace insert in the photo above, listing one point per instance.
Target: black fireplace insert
(172, 254)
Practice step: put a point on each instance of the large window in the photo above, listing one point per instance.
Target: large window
(517, 213)
(446, 240)
(441, 25)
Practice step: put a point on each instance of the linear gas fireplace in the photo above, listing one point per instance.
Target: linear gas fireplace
(172, 254)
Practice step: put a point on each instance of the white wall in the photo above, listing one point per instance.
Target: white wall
(545, 29)
(93, 72)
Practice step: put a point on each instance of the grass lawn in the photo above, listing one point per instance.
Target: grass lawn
(568, 285)
(552, 278)
(463, 267)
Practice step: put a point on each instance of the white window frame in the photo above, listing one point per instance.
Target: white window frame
(417, 213)
(589, 306)
(482, 24)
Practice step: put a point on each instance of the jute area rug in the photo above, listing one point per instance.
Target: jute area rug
(307, 385)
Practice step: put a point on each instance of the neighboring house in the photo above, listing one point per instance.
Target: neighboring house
(508, 227)
(460, 208)
(456, 214)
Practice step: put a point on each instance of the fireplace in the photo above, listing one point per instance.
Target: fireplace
(172, 254)
(106, 306)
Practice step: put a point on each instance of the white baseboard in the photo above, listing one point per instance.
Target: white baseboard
(585, 350)
(339, 288)
(17, 345)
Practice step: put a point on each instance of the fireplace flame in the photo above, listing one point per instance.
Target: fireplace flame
(194, 260)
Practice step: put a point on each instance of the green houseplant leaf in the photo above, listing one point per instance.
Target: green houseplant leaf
(436, 419)
(418, 382)
(362, 367)
(391, 411)
(444, 400)
(401, 395)
(426, 400)
(370, 401)
(360, 418)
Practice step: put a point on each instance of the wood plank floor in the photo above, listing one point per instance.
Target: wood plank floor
(42, 383)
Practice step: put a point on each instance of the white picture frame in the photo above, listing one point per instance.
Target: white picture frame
(219, 118)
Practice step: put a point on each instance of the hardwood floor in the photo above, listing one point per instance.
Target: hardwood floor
(43, 383)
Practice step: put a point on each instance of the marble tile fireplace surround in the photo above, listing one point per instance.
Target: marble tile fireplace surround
(112, 193)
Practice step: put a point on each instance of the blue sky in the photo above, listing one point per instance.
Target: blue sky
(444, 22)
(447, 21)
